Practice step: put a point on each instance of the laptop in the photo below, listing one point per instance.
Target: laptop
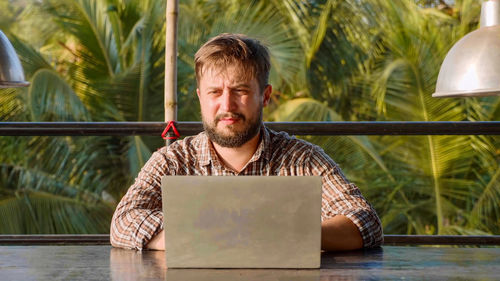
(242, 221)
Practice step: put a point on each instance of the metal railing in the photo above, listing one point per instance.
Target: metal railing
(294, 128)
(391, 240)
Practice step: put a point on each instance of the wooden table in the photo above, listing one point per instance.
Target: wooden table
(98, 262)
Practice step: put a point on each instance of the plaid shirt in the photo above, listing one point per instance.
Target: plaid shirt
(138, 217)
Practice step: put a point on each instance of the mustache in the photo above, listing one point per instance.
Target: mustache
(218, 117)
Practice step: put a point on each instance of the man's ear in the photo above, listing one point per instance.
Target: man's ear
(198, 92)
(267, 94)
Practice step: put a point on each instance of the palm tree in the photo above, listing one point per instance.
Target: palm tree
(105, 63)
(429, 183)
(108, 68)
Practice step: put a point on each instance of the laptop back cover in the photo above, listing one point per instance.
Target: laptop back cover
(242, 221)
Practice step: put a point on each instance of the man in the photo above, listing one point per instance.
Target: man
(232, 77)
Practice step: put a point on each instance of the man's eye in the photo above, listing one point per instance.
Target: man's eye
(241, 92)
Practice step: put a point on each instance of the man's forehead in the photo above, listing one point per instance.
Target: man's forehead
(235, 74)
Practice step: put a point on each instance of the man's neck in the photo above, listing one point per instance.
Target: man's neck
(237, 157)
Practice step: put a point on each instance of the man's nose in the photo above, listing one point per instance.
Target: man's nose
(227, 101)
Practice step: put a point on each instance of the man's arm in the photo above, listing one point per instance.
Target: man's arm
(138, 217)
(346, 215)
(340, 234)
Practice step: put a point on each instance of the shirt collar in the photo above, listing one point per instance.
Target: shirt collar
(207, 152)
(263, 150)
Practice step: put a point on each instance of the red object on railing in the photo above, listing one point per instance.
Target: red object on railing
(171, 124)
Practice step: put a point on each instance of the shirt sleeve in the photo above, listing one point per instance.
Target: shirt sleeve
(340, 197)
(139, 217)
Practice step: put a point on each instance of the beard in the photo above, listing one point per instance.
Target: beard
(234, 138)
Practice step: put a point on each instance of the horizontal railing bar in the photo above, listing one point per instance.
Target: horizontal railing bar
(293, 128)
(398, 240)
(50, 239)
(389, 240)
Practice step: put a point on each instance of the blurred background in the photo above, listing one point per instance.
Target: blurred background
(338, 60)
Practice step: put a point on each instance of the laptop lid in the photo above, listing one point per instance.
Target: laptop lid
(242, 221)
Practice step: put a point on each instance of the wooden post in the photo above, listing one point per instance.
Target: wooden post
(171, 61)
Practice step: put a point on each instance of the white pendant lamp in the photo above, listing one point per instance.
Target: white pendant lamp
(11, 71)
(472, 66)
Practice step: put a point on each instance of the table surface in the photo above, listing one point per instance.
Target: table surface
(99, 262)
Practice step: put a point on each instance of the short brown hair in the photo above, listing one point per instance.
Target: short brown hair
(227, 49)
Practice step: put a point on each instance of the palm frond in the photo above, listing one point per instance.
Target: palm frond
(12, 107)
(87, 21)
(138, 153)
(44, 213)
(355, 152)
(52, 99)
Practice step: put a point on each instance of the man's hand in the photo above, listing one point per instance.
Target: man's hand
(339, 234)
(157, 243)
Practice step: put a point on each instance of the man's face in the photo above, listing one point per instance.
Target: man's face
(231, 105)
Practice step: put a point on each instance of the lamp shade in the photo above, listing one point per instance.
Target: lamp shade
(11, 71)
(472, 66)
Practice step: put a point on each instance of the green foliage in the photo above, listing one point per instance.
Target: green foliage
(102, 71)
(435, 184)
(333, 60)
(45, 213)
(258, 19)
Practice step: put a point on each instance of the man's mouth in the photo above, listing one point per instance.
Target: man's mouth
(229, 119)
